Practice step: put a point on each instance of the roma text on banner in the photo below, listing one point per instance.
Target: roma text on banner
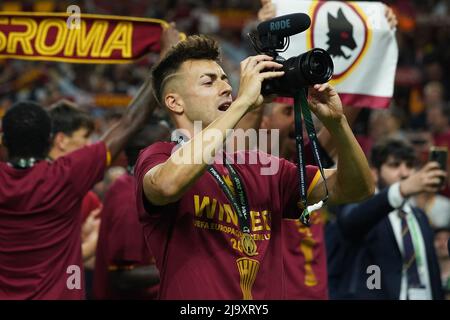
(95, 38)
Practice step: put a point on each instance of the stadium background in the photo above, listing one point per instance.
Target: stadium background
(422, 81)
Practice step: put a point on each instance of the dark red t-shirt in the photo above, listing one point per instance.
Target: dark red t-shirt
(305, 259)
(90, 202)
(305, 254)
(195, 240)
(40, 225)
(121, 242)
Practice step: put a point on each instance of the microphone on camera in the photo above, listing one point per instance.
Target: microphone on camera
(285, 26)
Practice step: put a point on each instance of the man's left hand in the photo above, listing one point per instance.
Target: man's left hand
(326, 104)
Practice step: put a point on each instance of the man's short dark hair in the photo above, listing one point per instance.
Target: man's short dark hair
(197, 47)
(395, 148)
(27, 130)
(67, 118)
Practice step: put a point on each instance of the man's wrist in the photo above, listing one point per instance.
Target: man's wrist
(241, 104)
(336, 125)
(395, 197)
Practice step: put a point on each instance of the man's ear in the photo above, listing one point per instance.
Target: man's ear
(264, 122)
(174, 102)
(375, 173)
(60, 141)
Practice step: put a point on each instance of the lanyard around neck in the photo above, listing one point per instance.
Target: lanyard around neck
(247, 243)
(23, 163)
(238, 201)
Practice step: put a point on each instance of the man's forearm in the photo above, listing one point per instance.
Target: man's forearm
(357, 221)
(354, 181)
(324, 136)
(88, 249)
(170, 180)
(137, 114)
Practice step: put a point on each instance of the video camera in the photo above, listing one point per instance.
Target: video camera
(309, 68)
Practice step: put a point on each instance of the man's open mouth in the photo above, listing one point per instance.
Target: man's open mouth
(224, 106)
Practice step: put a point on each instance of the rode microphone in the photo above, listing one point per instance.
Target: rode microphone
(285, 26)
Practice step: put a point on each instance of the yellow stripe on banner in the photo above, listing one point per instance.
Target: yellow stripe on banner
(59, 59)
(309, 31)
(108, 158)
(313, 183)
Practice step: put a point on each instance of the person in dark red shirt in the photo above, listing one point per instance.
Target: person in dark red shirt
(40, 201)
(71, 130)
(217, 234)
(124, 267)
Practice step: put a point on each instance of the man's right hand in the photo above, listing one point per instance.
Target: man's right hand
(252, 76)
(426, 179)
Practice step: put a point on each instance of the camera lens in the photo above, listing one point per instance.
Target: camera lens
(317, 66)
(309, 68)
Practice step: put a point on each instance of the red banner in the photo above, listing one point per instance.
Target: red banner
(96, 38)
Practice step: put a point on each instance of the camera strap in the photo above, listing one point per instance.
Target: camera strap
(301, 108)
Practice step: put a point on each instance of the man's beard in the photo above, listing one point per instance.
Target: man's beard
(382, 184)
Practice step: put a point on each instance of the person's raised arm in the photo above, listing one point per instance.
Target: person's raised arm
(352, 180)
(167, 182)
(358, 220)
(142, 105)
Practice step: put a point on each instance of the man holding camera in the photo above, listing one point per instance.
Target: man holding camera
(305, 253)
(382, 248)
(217, 234)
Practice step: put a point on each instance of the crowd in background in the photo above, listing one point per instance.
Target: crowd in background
(421, 80)
(419, 111)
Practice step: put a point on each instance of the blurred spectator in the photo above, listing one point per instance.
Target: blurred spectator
(386, 231)
(71, 129)
(125, 268)
(441, 237)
